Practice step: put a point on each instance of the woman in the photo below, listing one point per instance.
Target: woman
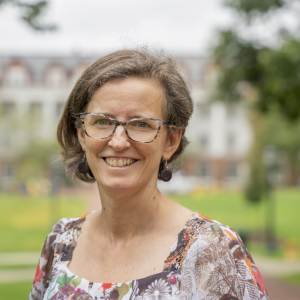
(123, 123)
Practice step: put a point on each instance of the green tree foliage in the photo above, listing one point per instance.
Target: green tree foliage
(273, 73)
(39, 166)
(31, 13)
(267, 77)
(35, 160)
(279, 85)
(237, 62)
(284, 136)
(253, 7)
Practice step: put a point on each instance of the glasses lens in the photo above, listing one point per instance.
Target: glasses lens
(143, 130)
(99, 126)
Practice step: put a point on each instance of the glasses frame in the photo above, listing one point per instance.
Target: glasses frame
(80, 124)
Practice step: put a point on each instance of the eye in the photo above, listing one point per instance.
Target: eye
(140, 124)
(102, 121)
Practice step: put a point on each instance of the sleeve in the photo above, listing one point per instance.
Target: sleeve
(250, 280)
(225, 269)
(44, 266)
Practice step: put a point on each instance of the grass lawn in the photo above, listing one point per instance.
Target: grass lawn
(230, 208)
(17, 267)
(25, 221)
(16, 290)
(292, 279)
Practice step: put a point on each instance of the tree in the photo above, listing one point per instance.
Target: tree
(284, 137)
(39, 166)
(265, 73)
(250, 8)
(271, 72)
(31, 13)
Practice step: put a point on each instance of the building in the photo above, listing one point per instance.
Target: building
(33, 90)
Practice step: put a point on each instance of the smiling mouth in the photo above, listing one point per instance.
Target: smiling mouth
(119, 162)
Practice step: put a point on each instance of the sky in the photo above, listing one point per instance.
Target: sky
(91, 26)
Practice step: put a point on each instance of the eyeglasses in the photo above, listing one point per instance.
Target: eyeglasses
(100, 126)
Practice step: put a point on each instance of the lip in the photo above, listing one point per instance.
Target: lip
(119, 157)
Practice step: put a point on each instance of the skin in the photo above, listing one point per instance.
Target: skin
(136, 220)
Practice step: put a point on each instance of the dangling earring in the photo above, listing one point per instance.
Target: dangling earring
(83, 166)
(164, 173)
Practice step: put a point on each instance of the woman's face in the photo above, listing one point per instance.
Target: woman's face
(118, 162)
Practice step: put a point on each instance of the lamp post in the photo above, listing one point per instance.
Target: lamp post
(271, 164)
(56, 179)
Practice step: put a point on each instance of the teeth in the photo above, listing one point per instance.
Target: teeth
(119, 162)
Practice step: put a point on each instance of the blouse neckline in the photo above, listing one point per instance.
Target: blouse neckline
(167, 267)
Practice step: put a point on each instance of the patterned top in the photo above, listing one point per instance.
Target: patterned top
(209, 262)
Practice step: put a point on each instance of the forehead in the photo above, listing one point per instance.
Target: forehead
(129, 97)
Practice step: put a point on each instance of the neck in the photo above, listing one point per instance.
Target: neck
(129, 214)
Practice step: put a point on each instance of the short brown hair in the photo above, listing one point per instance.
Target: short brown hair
(118, 65)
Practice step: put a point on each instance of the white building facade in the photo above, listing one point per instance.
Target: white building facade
(35, 88)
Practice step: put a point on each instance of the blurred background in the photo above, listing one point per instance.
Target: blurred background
(241, 61)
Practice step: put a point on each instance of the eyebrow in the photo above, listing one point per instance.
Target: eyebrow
(101, 113)
(132, 117)
(139, 117)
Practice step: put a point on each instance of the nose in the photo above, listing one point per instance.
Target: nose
(119, 140)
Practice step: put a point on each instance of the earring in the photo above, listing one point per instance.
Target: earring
(83, 166)
(164, 173)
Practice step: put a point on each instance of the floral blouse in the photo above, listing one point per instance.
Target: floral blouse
(209, 262)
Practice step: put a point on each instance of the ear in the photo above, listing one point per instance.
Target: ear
(81, 138)
(173, 140)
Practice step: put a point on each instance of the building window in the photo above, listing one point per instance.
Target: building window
(35, 110)
(203, 111)
(7, 170)
(195, 70)
(78, 71)
(204, 142)
(59, 108)
(231, 112)
(204, 169)
(231, 141)
(7, 108)
(232, 169)
(16, 75)
(56, 76)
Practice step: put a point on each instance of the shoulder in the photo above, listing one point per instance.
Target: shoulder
(212, 239)
(55, 241)
(65, 224)
(218, 257)
(61, 229)
(212, 231)
(62, 236)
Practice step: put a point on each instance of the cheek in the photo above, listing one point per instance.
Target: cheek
(93, 150)
(155, 153)
(95, 146)
(161, 144)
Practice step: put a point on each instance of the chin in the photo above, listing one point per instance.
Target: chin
(119, 184)
(128, 185)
